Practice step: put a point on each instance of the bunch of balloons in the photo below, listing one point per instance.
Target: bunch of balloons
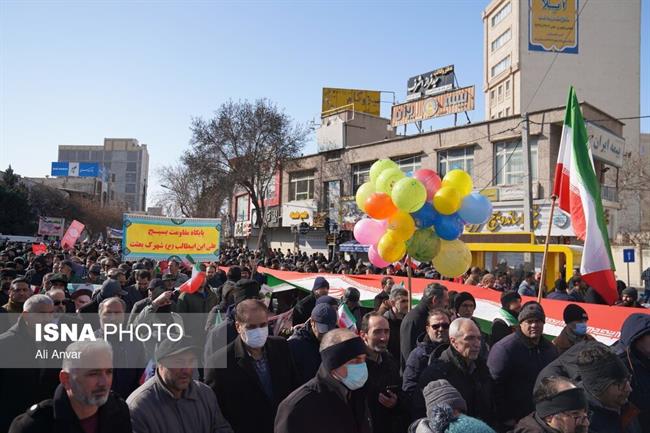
(422, 216)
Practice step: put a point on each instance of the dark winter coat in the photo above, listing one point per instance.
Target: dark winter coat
(501, 329)
(20, 388)
(219, 336)
(56, 416)
(239, 391)
(514, 364)
(416, 362)
(412, 326)
(567, 339)
(473, 382)
(533, 424)
(393, 342)
(302, 310)
(566, 365)
(324, 405)
(305, 351)
(605, 420)
(382, 374)
(636, 326)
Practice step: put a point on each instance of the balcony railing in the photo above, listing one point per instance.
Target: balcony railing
(609, 193)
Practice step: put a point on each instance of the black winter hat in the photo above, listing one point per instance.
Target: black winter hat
(462, 297)
(574, 313)
(508, 297)
(631, 292)
(531, 310)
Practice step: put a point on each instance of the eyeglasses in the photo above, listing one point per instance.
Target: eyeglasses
(64, 302)
(439, 325)
(580, 418)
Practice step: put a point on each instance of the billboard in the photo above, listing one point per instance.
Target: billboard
(76, 169)
(605, 145)
(553, 26)
(455, 101)
(365, 101)
(430, 83)
(159, 238)
(48, 226)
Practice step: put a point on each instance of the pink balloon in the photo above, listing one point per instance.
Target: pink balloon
(375, 258)
(429, 179)
(368, 231)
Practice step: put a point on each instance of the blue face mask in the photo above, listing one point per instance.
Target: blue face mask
(357, 376)
(581, 328)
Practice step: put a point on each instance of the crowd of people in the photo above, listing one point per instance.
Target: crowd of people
(432, 368)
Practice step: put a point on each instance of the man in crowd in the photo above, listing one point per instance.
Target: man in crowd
(302, 310)
(94, 275)
(515, 361)
(34, 276)
(80, 297)
(305, 342)
(387, 410)
(575, 331)
(382, 297)
(57, 281)
(154, 289)
(83, 402)
(259, 371)
(59, 300)
(507, 323)
(435, 296)
(461, 365)
(18, 294)
(7, 275)
(172, 401)
(527, 287)
(560, 291)
(139, 290)
(334, 400)
(629, 298)
(398, 302)
(607, 384)
(175, 271)
(67, 269)
(560, 407)
(434, 339)
(350, 299)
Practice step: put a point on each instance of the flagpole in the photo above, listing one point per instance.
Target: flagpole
(548, 238)
(409, 273)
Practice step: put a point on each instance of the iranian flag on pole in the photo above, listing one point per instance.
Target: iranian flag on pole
(578, 192)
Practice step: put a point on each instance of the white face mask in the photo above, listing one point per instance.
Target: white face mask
(256, 338)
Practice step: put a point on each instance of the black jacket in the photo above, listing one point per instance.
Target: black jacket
(514, 364)
(418, 360)
(533, 424)
(20, 388)
(605, 420)
(393, 342)
(411, 327)
(303, 308)
(305, 352)
(474, 383)
(239, 391)
(56, 416)
(382, 374)
(323, 405)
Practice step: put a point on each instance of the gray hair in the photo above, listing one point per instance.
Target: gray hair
(33, 301)
(396, 293)
(455, 329)
(83, 349)
(106, 301)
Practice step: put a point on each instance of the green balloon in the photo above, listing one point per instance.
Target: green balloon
(379, 166)
(424, 245)
(409, 194)
(387, 179)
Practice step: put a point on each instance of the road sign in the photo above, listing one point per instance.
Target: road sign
(628, 255)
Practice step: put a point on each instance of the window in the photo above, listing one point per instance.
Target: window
(503, 12)
(241, 208)
(83, 155)
(130, 177)
(492, 100)
(131, 166)
(456, 158)
(333, 155)
(301, 186)
(332, 193)
(409, 164)
(507, 88)
(360, 175)
(509, 164)
(501, 66)
(132, 156)
(130, 187)
(96, 155)
(501, 40)
(500, 93)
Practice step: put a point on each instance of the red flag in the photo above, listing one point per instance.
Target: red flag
(39, 249)
(193, 284)
(72, 234)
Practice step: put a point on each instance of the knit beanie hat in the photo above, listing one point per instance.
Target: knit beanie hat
(631, 292)
(462, 297)
(574, 313)
(441, 391)
(508, 297)
(531, 310)
(603, 369)
(441, 419)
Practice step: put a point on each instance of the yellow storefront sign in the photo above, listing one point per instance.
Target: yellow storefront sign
(363, 101)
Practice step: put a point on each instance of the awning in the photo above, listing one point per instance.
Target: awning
(353, 247)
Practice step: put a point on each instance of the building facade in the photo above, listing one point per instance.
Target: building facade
(126, 163)
(534, 50)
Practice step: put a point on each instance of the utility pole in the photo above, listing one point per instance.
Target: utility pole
(528, 196)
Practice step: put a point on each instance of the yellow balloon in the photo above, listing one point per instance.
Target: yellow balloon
(402, 225)
(379, 166)
(363, 193)
(460, 180)
(453, 259)
(447, 200)
(387, 179)
(390, 247)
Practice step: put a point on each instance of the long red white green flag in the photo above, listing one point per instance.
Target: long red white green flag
(578, 192)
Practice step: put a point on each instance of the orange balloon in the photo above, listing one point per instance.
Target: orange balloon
(380, 206)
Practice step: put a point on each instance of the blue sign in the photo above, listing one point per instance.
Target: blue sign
(60, 168)
(88, 169)
(628, 255)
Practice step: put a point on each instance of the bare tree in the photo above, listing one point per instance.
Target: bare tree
(246, 142)
(635, 173)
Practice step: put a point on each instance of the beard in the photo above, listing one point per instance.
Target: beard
(98, 397)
